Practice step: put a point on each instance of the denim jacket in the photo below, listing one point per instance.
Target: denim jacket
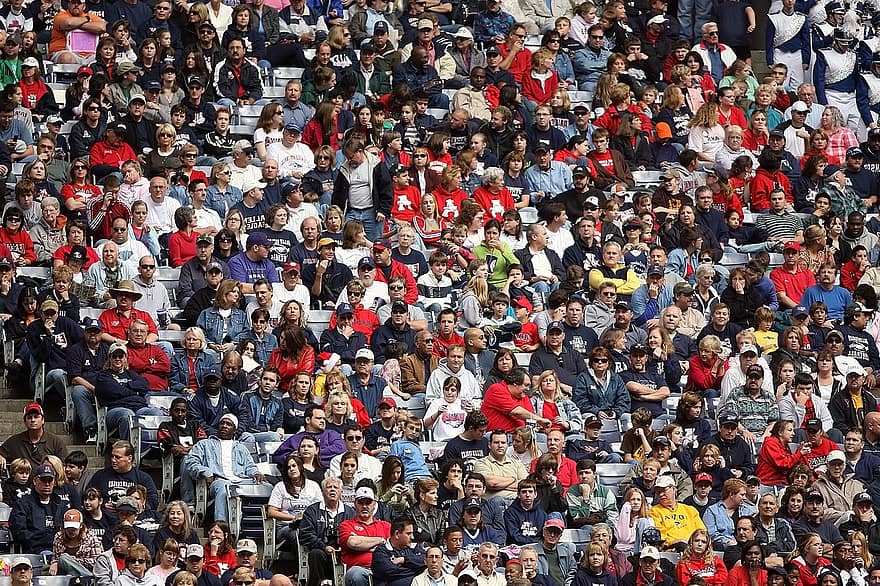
(179, 378)
(212, 324)
(204, 460)
(221, 202)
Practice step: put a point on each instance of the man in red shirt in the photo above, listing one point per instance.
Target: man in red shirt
(445, 335)
(506, 405)
(107, 156)
(791, 279)
(148, 360)
(359, 536)
(387, 268)
(515, 57)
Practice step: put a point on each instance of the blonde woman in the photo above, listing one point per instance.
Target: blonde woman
(549, 398)
(165, 153)
(706, 135)
(339, 411)
(522, 446)
(862, 556)
(234, 222)
(808, 559)
(707, 367)
(698, 559)
(593, 567)
(222, 195)
(632, 521)
(474, 300)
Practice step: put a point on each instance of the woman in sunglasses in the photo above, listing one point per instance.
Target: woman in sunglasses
(137, 562)
(599, 390)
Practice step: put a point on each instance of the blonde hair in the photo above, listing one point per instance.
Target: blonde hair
(558, 395)
(524, 432)
(480, 288)
(711, 343)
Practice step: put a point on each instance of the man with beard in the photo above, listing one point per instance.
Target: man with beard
(574, 199)
(476, 98)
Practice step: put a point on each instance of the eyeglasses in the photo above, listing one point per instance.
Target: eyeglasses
(355, 294)
(323, 158)
(166, 135)
(712, 34)
(597, 36)
(599, 360)
(120, 231)
(225, 240)
(396, 288)
(420, 156)
(189, 156)
(608, 294)
(80, 168)
(13, 219)
(243, 582)
(517, 36)
(261, 321)
(94, 109)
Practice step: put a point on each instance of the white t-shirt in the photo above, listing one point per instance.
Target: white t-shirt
(295, 505)
(449, 424)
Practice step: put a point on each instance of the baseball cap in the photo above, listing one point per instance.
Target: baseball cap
(813, 423)
(830, 170)
(213, 372)
(54, 119)
(7, 262)
(473, 503)
(748, 348)
(44, 471)
(30, 62)
(853, 152)
(85, 70)
(90, 323)
(493, 51)
(382, 244)
(204, 240)
(521, 301)
(326, 241)
(753, 480)
(344, 309)
(425, 24)
(776, 134)
(622, 305)
(652, 535)
(364, 354)
(656, 270)
(755, 369)
(862, 497)
(661, 440)
(836, 456)
(117, 347)
(554, 522)
(21, 561)
(293, 184)
(257, 239)
(194, 80)
(398, 170)
(703, 477)
(153, 85)
(241, 146)
(388, 401)
(664, 482)
(137, 98)
(214, 266)
(799, 311)
(649, 552)
(293, 127)
(464, 33)
(659, 19)
(670, 174)
(815, 495)
(834, 334)
(33, 407)
(580, 171)
(195, 550)
(367, 262)
(555, 325)
(858, 307)
(49, 304)
(792, 245)
(638, 349)
(399, 307)
(727, 418)
(800, 106)
(72, 519)
(248, 545)
(874, 133)
(590, 419)
(683, 288)
(249, 184)
(381, 28)
(364, 493)
(591, 203)
(77, 252)
(579, 108)
(291, 266)
(541, 148)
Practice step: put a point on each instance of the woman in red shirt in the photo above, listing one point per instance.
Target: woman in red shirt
(751, 571)
(323, 128)
(182, 244)
(809, 561)
(18, 241)
(293, 355)
(775, 459)
(220, 549)
(542, 81)
(707, 367)
(79, 191)
(699, 561)
(492, 196)
(819, 146)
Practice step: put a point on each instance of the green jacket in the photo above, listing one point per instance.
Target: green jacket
(501, 264)
(10, 71)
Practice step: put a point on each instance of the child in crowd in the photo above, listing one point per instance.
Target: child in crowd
(408, 450)
(17, 486)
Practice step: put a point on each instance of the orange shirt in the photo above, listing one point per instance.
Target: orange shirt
(58, 42)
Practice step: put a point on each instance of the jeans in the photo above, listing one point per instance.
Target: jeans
(358, 576)
(217, 490)
(438, 100)
(56, 379)
(372, 228)
(70, 566)
(84, 401)
(118, 417)
(260, 437)
(612, 458)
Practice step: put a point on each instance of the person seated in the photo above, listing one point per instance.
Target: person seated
(204, 462)
(148, 360)
(38, 516)
(178, 436)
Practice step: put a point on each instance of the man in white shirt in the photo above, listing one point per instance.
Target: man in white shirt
(294, 158)
(208, 221)
(241, 169)
(297, 209)
(291, 287)
(160, 207)
(368, 466)
(558, 238)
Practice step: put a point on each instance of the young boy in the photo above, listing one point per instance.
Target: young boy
(75, 466)
(435, 285)
(592, 447)
(18, 485)
(519, 287)
(527, 340)
(767, 339)
(524, 521)
(407, 198)
(408, 450)
(702, 487)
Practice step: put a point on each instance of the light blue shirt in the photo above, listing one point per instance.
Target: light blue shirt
(552, 182)
(645, 308)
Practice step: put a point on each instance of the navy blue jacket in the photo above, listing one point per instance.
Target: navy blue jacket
(208, 416)
(387, 333)
(50, 348)
(112, 485)
(334, 342)
(34, 524)
(522, 526)
(387, 573)
(121, 389)
(82, 363)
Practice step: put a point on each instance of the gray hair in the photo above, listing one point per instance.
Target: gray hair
(599, 527)
(491, 175)
(705, 269)
(489, 545)
(50, 202)
(707, 25)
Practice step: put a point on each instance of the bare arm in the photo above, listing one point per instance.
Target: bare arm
(361, 543)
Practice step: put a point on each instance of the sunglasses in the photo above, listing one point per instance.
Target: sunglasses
(147, 267)
(80, 168)
(137, 561)
(599, 360)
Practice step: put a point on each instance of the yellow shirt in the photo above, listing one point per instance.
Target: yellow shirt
(676, 524)
(768, 341)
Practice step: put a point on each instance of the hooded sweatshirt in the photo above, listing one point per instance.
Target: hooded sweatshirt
(470, 390)
(524, 526)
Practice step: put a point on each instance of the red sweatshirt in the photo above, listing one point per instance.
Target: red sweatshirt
(775, 461)
(19, 244)
(763, 184)
(714, 573)
(152, 363)
(289, 368)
